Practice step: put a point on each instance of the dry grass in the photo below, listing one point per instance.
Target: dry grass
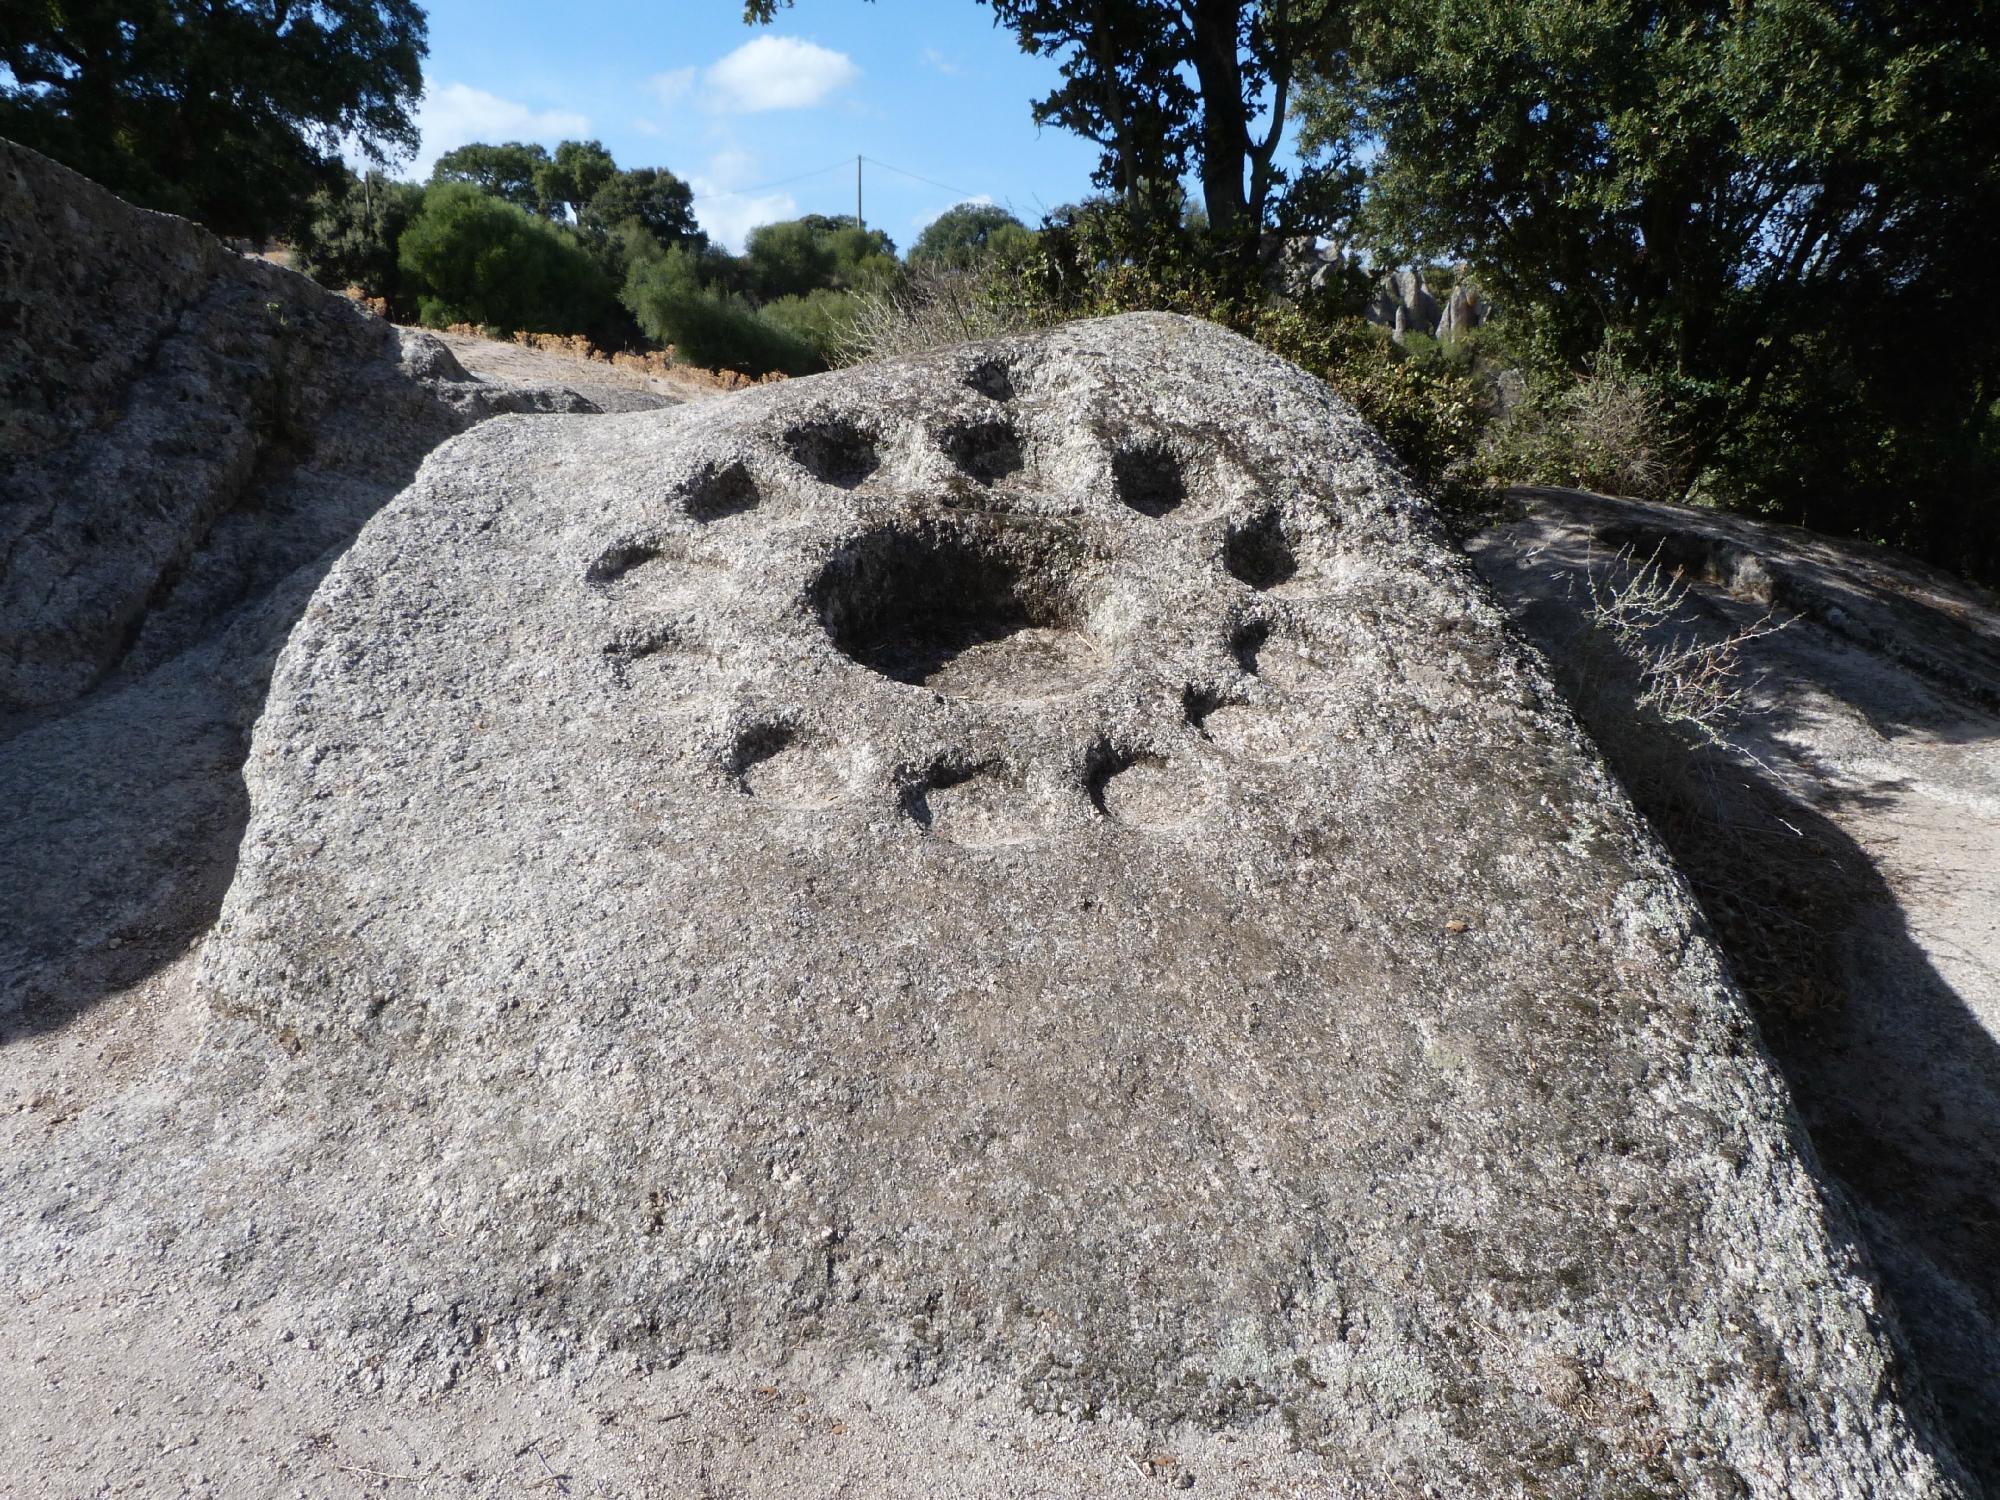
(1608, 431)
(662, 363)
(932, 309)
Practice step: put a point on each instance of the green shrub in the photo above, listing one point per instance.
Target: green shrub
(822, 319)
(350, 237)
(1426, 401)
(1608, 429)
(966, 235)
(788, 259)
(712, 329)
(473, 258)
(799, 256)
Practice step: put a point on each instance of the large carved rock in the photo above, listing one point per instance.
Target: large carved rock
(1034, 866)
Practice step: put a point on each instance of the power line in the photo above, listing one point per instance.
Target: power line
(839, 166)
(785, 181)
(915, 177)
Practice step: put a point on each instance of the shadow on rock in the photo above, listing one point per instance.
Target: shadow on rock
(1831, 834)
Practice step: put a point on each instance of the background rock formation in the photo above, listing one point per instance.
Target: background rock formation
(157, 389)
(1464, 310)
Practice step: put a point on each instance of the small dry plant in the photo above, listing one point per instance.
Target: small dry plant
(1684, 678)
(932, 309)
(1606, 431)
(1659, 692)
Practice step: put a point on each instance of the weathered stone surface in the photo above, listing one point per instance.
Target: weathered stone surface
(187, 439)
(1034, 866)
(1300, 263)
(1843, 829)
(180, 426)
(1403, 305)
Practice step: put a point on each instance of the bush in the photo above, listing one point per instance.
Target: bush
(1608, 430)
(788, 259)
(472, 258)
(1425, 401)
(1690, 679)
(823, 320)
(716, 330)
(933, 308)
(966, 235)
(797, 257)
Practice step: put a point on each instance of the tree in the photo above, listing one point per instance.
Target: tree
(573, 176)
(1769, 204)
(475, 258)
(959, 236)
(1161, 85)
(232, 111)
(788, 258)
(349, 237)
(514, 170)
(864, 260)
(796, 256)
(650, 196)
(717, 330)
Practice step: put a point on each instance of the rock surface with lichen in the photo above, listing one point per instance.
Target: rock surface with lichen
(1035, 866)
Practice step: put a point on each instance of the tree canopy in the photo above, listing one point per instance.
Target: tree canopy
(650, 196)
(1163, 86)
(1773, 204)
(231, 111)
(512, 170)
(349, 235)
(475, 258)
(573, 176)
(795, 256)
(962, 234)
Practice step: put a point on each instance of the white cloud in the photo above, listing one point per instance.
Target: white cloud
(729, 220)
(943, 64)
(729, 215)
(458, 114)
(778, 72)
(671, 87)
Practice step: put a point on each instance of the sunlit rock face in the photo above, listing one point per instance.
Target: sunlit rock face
(1036, 865)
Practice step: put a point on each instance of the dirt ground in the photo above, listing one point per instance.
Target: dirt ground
(610, 387)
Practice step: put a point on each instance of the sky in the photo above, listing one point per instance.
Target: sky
(764, 122)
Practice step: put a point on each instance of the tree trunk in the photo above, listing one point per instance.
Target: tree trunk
(1225, 135)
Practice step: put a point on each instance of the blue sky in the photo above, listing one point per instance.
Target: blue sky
(929, 87)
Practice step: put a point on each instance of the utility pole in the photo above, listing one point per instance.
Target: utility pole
(857, 193)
